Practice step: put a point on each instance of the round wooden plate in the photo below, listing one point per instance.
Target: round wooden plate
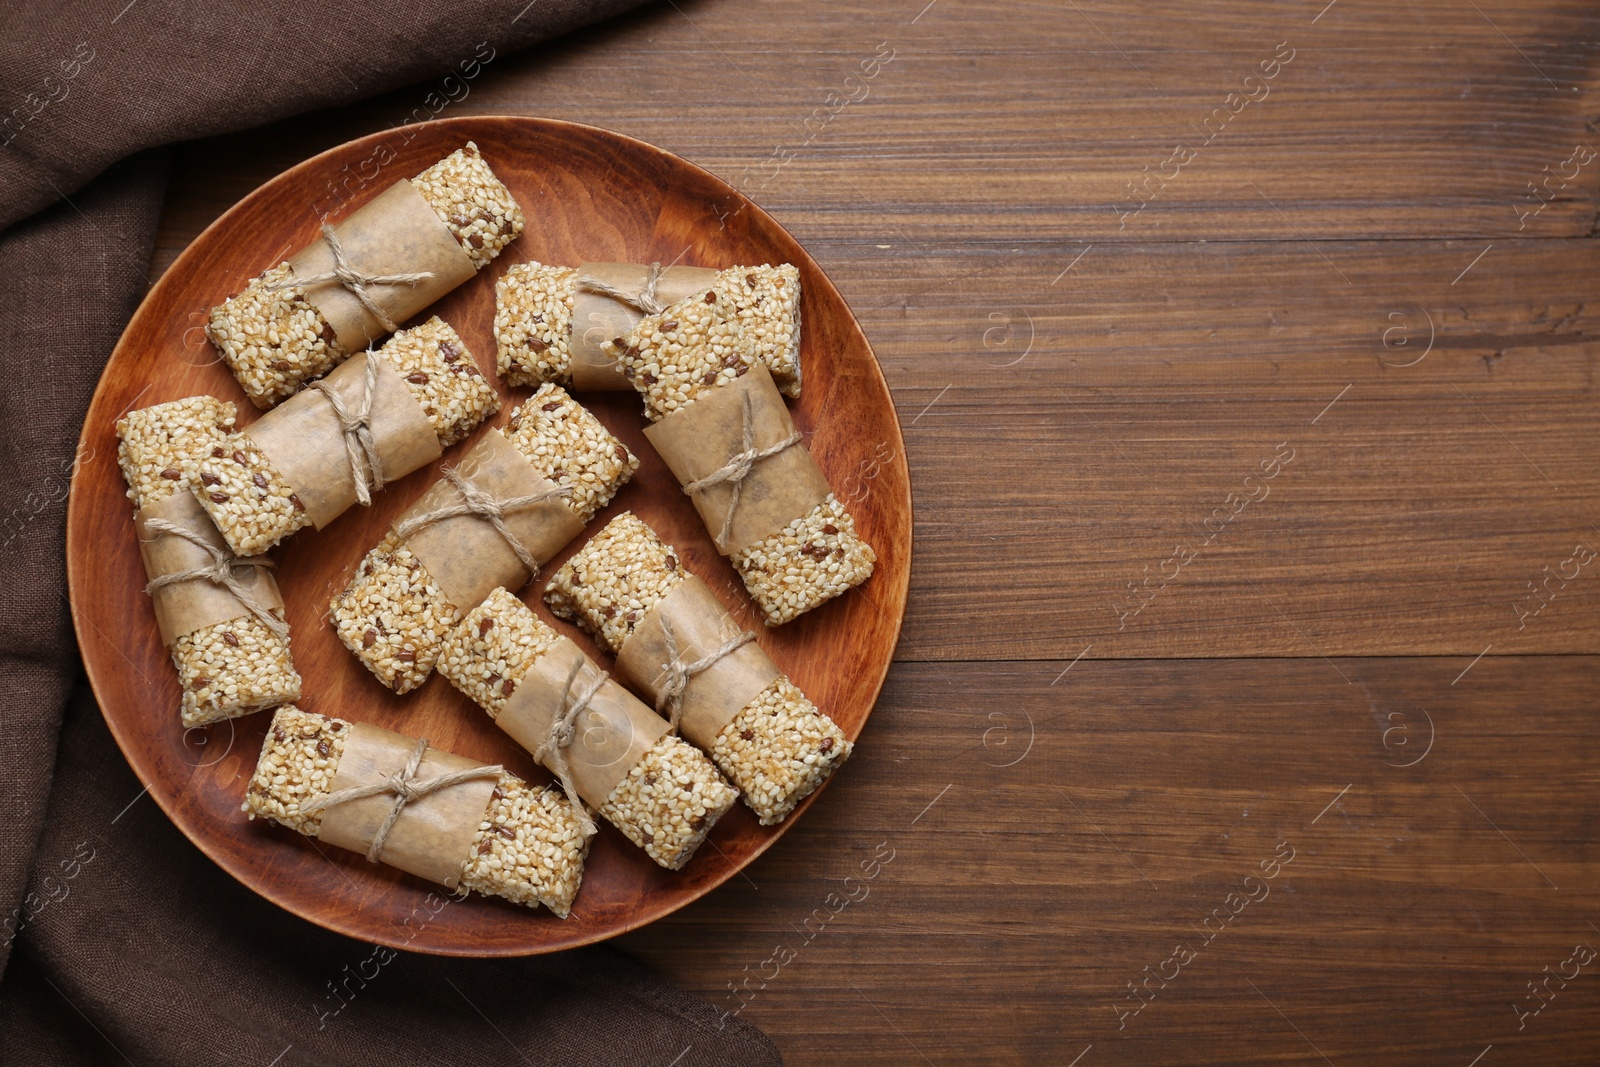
(588, 195)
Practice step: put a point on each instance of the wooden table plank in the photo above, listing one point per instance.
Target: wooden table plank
(1351, 265)
(1046, 876)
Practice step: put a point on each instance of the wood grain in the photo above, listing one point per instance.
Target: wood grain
(951, 206)
(592, 195)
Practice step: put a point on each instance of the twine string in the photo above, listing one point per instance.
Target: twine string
(645, 299)
(737, 469)
(669, 702)
(366, 463)
(563, 728)
(481, 504)
(404, 786)
(354, 280)
(220, 571)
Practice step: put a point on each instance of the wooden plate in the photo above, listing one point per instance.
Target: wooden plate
(588, 195)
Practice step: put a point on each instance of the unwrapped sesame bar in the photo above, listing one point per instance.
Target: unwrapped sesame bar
(527, 845)
(550, 327)
(299, 320)
(307, 461)
(629, 588)
(662, 794)
(413, 587)
(722, 427)
(230, 661)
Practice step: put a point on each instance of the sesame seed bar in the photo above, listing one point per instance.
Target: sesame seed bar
(533, 321)
(529, 848)
(807, 563)
(570, 447)
(779, 747)
(678, 356)
(231, 668)
(666, 804)
(474, 205)
(275, 340)
(393, 615)
(256, 508)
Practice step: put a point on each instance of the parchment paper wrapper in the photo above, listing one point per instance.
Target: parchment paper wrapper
(184, 607)
(699, 439)
(433, 835)
(396, 232)
(466, 556)
(597, 318)
(612, 733)
(700, 625)
(303, 440)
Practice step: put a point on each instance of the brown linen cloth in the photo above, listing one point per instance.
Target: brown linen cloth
(148, 953)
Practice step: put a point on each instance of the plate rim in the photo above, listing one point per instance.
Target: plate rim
(76, 504)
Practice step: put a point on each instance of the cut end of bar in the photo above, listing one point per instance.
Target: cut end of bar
(273, 340)
(766, 300)
(610, 583)
(393, 616)
(494, 647)
(473, 204)
(669, 802)
(252, 505)
(444, 378)
(672, 358)
(568, 445)
(533, 324)
(298, 761)
(231, 669)
(530, 848)
(807, 563)
(159, 448)
(778, 749)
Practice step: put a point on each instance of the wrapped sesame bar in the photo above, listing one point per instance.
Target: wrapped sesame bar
(675, 643)
(508, 839)
(414, 242)
(549, 327)
(720, 424)
(230, 660)
(662, 794)
(375, 419)
(414, 586)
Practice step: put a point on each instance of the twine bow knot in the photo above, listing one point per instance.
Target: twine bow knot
(354, 280)
(669, 701)
(404, 786)
(366, 463)
(219, 571)
(563, 728)
(738, 468)
(480, 503)
(645, 299)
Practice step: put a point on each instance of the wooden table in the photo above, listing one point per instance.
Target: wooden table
(1246, 706)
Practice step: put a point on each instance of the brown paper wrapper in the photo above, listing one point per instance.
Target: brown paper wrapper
(466, 556)
(433, 835)
(612, 733)
(700, 625)
(184, 607)
(302, 438)
(597, 318)
(394, 233)
(701, 438)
